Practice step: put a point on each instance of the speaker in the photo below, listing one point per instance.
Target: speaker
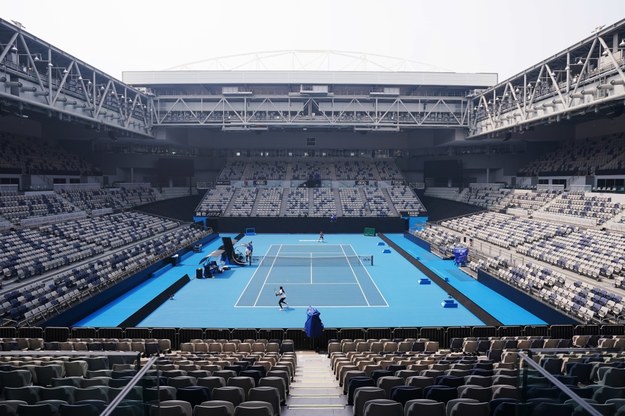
(199, 273)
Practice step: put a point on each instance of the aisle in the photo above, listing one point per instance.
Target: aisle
(315, 390)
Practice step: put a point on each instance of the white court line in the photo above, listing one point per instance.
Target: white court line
(355, 277)
(312, 245)
(368, 274)
(311, 269)
(246, 286)
(291, 306)
(268, 273)
(308, 284)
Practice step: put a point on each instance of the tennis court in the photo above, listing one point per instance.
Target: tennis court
(324, 274)
(338, 280)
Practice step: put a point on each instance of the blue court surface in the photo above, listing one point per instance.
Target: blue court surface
(334, 276)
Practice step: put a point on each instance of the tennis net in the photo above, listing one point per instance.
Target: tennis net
(312, 260)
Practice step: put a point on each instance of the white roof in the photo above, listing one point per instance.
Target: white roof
(146, 78)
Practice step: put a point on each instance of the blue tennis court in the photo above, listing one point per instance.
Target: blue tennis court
(333, 274)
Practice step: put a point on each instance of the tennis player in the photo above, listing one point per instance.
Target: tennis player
(321, 236)
(282, 295)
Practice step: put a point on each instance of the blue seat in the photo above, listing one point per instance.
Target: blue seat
(376, 374)
(440, 393)
(516, 409)
(580, 370)
(494, 403)
(194, 394)
(84, 409)
(402, 394)
(552, 409)
(451, 381)
(543, 392)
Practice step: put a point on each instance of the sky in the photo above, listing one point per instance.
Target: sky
(494, 36)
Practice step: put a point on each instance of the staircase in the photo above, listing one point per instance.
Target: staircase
(315, 390)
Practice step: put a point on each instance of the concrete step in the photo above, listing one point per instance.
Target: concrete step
(314, 389)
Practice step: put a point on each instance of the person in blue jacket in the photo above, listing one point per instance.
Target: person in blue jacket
(313, 326)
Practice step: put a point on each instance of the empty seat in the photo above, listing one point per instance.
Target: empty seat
(363, 395)
(253, 408)
(424, 407)
(383, 407)
(232, 394)
(214, 408)
(266, 394)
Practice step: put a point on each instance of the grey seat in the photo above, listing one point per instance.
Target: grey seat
(424, 407)
(181, 381)
(364, 394)
(266, 394)
(16, 378)
(211, 382)
(383, 407)
(232, 394)
(277, 383)
(76, 368)
(469, 409)
(175, 408)
(246, 383)
(253, 408)
(9, 407)
(92, 393)
(214, 408)
(45, 373)
(388, 382)
(28, 394)
(66, 393)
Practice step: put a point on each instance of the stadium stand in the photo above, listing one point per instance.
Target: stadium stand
(324, 204)
(297, 203)
(239, 200)
(352, 202)
(61, 289)
(578, 157)
(31, 155)
(269, 202)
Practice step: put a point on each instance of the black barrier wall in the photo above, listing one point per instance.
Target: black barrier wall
(155, 302)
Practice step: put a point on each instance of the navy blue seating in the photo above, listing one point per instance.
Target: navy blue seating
(402, 394)
(193, 394)
(440, 393)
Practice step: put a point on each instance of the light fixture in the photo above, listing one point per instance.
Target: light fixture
(567, 68)
(579, 61)
(622, 44)
(37, 59)
(50, 64)
(13, 48)
(605, 52)
(65, 71)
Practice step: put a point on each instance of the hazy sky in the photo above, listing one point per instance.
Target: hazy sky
(498, 36)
